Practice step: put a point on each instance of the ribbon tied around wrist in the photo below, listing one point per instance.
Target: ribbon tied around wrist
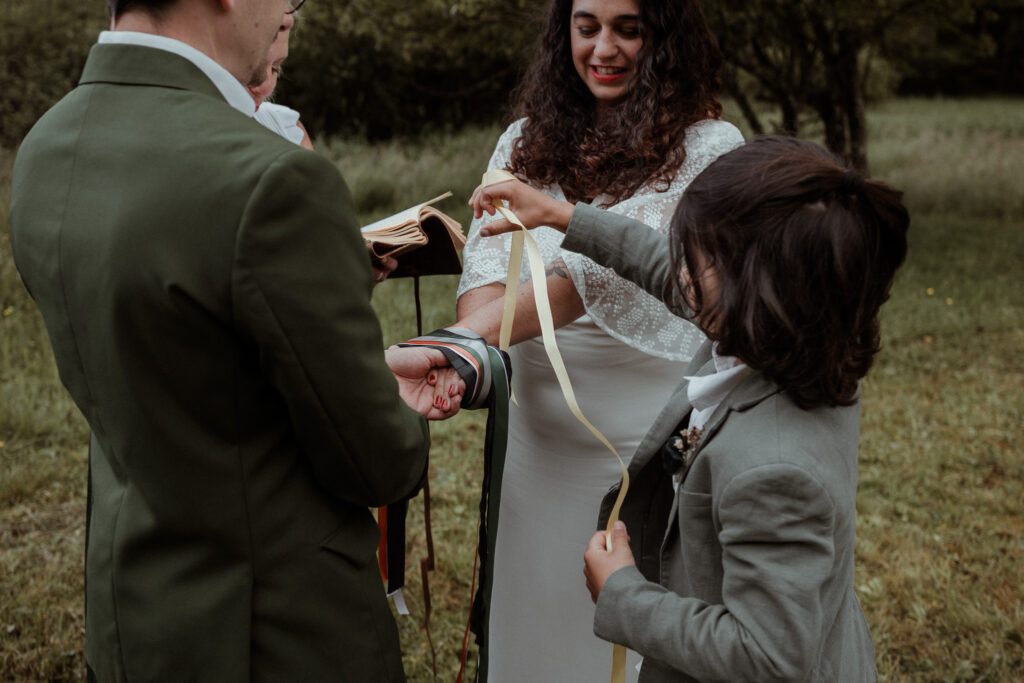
(487, 373)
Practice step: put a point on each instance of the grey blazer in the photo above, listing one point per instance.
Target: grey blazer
(746, 573)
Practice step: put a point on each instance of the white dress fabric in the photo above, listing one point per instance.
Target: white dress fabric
(624, 358)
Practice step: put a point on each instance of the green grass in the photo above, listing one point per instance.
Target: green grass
(941, 500)
(949, 158)
(42, 491)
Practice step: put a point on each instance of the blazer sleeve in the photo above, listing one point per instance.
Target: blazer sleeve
(629, 247)
(777, 556)
(301, 289)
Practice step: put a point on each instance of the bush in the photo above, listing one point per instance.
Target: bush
(385, 68)
(43, 46)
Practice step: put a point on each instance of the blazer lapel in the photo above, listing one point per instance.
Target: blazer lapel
(750, 392)
(647, 504)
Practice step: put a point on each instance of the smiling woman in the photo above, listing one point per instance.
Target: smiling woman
(605, 43)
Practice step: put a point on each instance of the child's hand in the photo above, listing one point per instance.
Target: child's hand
(382, 267)
(532, 207)
(600, 563)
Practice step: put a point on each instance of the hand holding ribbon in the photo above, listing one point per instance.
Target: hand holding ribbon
(600, 563)
(532, 207)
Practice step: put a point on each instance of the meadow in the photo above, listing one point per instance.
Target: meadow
(940, 545)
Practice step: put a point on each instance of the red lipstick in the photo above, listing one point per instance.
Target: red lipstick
(607, 78)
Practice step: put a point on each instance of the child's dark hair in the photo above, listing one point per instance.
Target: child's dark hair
(805, 251)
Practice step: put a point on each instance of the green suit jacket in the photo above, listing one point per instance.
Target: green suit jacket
(746, 573)
(206, 293)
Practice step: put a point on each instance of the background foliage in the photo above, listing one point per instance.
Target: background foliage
(826, 58)
(43, 45)
(385, 68)
(380, 68)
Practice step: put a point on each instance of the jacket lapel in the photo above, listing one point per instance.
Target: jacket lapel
(646, 508)
(749, 393)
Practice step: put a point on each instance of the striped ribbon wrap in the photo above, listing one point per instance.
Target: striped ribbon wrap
(487, 373)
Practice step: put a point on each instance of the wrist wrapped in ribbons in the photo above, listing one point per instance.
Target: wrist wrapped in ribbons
(487, 372)
(469, 355)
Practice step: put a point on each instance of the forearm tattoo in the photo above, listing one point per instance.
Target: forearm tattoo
(557, 267)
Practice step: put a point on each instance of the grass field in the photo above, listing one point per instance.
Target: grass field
(941, 501)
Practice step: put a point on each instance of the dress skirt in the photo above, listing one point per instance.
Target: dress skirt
(556, 473)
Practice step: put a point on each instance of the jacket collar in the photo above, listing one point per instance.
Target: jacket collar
(754, 389)
(134, 64)
(751, 391)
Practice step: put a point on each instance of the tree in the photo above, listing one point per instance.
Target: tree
(390, 67)
(43, 46)
(977, 51)
(816, 56)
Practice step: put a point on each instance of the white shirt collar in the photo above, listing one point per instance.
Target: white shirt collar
(229, 86)
(707, 391)
(282, 120)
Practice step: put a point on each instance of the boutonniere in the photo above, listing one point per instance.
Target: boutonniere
(679, 448)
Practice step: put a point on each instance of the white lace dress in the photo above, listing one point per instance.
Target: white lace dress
(624, 358)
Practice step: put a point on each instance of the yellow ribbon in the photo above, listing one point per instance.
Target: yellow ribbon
(540, 296)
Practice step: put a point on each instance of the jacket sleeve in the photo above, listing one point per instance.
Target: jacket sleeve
(629, 247)
(630, 313)
(301, 290)
(777, 556)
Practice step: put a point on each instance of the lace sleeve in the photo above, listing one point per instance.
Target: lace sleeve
(621, 308)
(485, 259)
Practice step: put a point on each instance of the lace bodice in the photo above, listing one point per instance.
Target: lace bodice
(618, 307)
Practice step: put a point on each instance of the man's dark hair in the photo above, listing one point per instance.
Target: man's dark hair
(118, 7)
(805, 251)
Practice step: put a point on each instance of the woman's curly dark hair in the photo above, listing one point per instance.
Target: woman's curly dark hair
(805, 251)
(677, 83)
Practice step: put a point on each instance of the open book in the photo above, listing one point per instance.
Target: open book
(425, 240)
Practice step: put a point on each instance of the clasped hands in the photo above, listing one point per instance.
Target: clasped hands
(433, 389)
(426, 381)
